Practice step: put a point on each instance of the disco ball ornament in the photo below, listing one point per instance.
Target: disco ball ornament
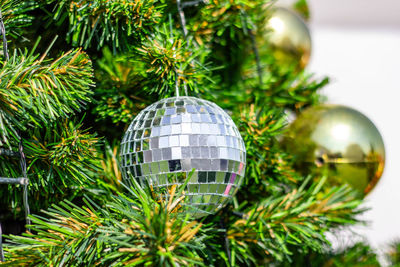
(288, 37)
(338, 142)
(175, 135)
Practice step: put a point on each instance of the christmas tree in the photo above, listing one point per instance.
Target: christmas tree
(75, 74)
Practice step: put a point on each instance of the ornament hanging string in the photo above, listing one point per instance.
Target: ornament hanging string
(181, 12)
(171, 38)
(26, 183)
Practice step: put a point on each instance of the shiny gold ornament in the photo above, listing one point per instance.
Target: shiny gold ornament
(288, 37)
(339, 142)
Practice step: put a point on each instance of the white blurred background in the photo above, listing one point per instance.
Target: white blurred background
(357, 44)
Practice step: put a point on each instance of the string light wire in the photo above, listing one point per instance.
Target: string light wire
(23, 181)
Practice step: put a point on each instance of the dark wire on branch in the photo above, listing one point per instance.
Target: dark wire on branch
(25, 193)
(3, 33)
(8, 153)
(24, 181)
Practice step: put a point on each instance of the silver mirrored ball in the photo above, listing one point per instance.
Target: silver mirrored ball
(175, 135)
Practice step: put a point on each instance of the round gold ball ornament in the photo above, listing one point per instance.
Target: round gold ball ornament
(288, 37)
(338, 142)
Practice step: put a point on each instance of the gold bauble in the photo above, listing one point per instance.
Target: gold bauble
(288, 37)
(338, 142)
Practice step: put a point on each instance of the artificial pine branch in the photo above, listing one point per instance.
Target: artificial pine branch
(294, 92)
(57, 238)
(128, 82)
(119, 90)
(110, 165)
(357, 255)
(299, 218)
(260, 128)
(15, 17)
(219, 18)
(116, 23)
(131, 229)
(35, 91)
(61, 163)
(169, 61)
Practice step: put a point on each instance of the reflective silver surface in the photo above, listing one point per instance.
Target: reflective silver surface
(171, 137)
